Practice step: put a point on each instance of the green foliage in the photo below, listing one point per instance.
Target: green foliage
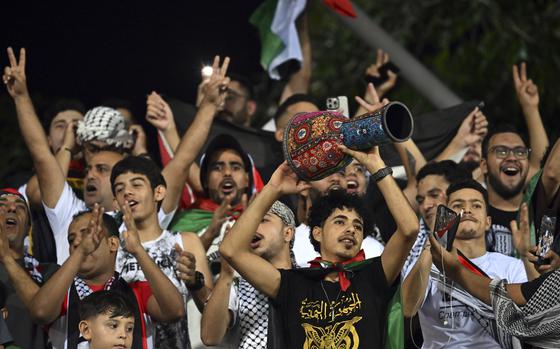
(469, 45)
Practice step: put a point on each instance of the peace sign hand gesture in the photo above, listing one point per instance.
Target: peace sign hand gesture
(216, 89)
(14, 75)
(527, 91)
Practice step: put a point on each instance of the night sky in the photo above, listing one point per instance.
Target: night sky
(126, 49)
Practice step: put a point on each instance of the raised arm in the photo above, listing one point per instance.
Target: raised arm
(381, 58)
(236, 246)
(45, 305)
(160, 115)
(522, 241)
(49, 174)
(299, 81)
(21, 281)
(476, 285)
(190, 260)
(63, 157)
(397, 249)
(176, 171)
(217, 318)
(166, 303)
(415, 283)
(528, 97)
(551, 173)
(472, 130)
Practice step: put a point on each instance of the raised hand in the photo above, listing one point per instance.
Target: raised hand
(69, 141)
(370, 159)
(382, 58)
(447, 262)
(186, 265)
(473, 128)
(139, 140)
(131, 237)
(91, 238)
(158, 112)
(521, 232)
(14, 75)
(285, 180)
(216, 89)
(527, 91)
(219, 217)
(372, 101)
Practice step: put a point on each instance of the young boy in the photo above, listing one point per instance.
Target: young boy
(94, 241)
(137, 181)
(107, 320)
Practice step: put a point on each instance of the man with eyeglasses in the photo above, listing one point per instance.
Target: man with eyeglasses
(507, 164)
(239, 105)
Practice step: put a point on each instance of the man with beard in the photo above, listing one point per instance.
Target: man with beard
(59, 201)
(239, 105)
(506, 167)
(447, 319)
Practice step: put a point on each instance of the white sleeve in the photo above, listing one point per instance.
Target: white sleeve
(372, 248)
(164, 219)
(60, 217)
(233, 303)
(517, 273)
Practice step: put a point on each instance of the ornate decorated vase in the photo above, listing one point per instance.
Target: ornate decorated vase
(311, 139)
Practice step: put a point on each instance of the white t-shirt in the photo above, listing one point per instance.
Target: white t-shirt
(449, 323)
(162, 252)
(66, 207)
(304, 251)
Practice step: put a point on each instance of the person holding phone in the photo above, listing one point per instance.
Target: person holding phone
(450, 318)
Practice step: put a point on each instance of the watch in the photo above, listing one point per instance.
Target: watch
(384, 172)
(198, 282)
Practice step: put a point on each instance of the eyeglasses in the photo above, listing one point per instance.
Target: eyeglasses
(233, 96)
(502, 152)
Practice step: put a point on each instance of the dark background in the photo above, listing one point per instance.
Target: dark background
(95, 50)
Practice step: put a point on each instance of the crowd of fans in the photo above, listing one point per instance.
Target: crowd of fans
(102, 248)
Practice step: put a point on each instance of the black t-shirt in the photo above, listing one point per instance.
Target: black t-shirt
(307, 305)
(499, 238)
(542, 207)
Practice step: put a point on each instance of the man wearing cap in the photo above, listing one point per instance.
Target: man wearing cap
(59, 200)
(227, 180)
(14, 226)
(235, 305)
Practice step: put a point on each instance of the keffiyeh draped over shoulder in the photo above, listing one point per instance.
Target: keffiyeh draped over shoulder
(537, 322)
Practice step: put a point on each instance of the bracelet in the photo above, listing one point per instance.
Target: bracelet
(384, 172)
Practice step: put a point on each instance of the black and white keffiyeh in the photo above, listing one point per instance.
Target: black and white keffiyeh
(479, 310)
(84, 290)
(107, 125)
(538, 321)
(253, 316)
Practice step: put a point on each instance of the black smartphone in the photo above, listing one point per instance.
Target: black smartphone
(445, 228)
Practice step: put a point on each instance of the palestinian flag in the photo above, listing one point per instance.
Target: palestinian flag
(276, 23)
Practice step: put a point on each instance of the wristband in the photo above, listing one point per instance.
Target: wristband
(384, 172)
(198, 282)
